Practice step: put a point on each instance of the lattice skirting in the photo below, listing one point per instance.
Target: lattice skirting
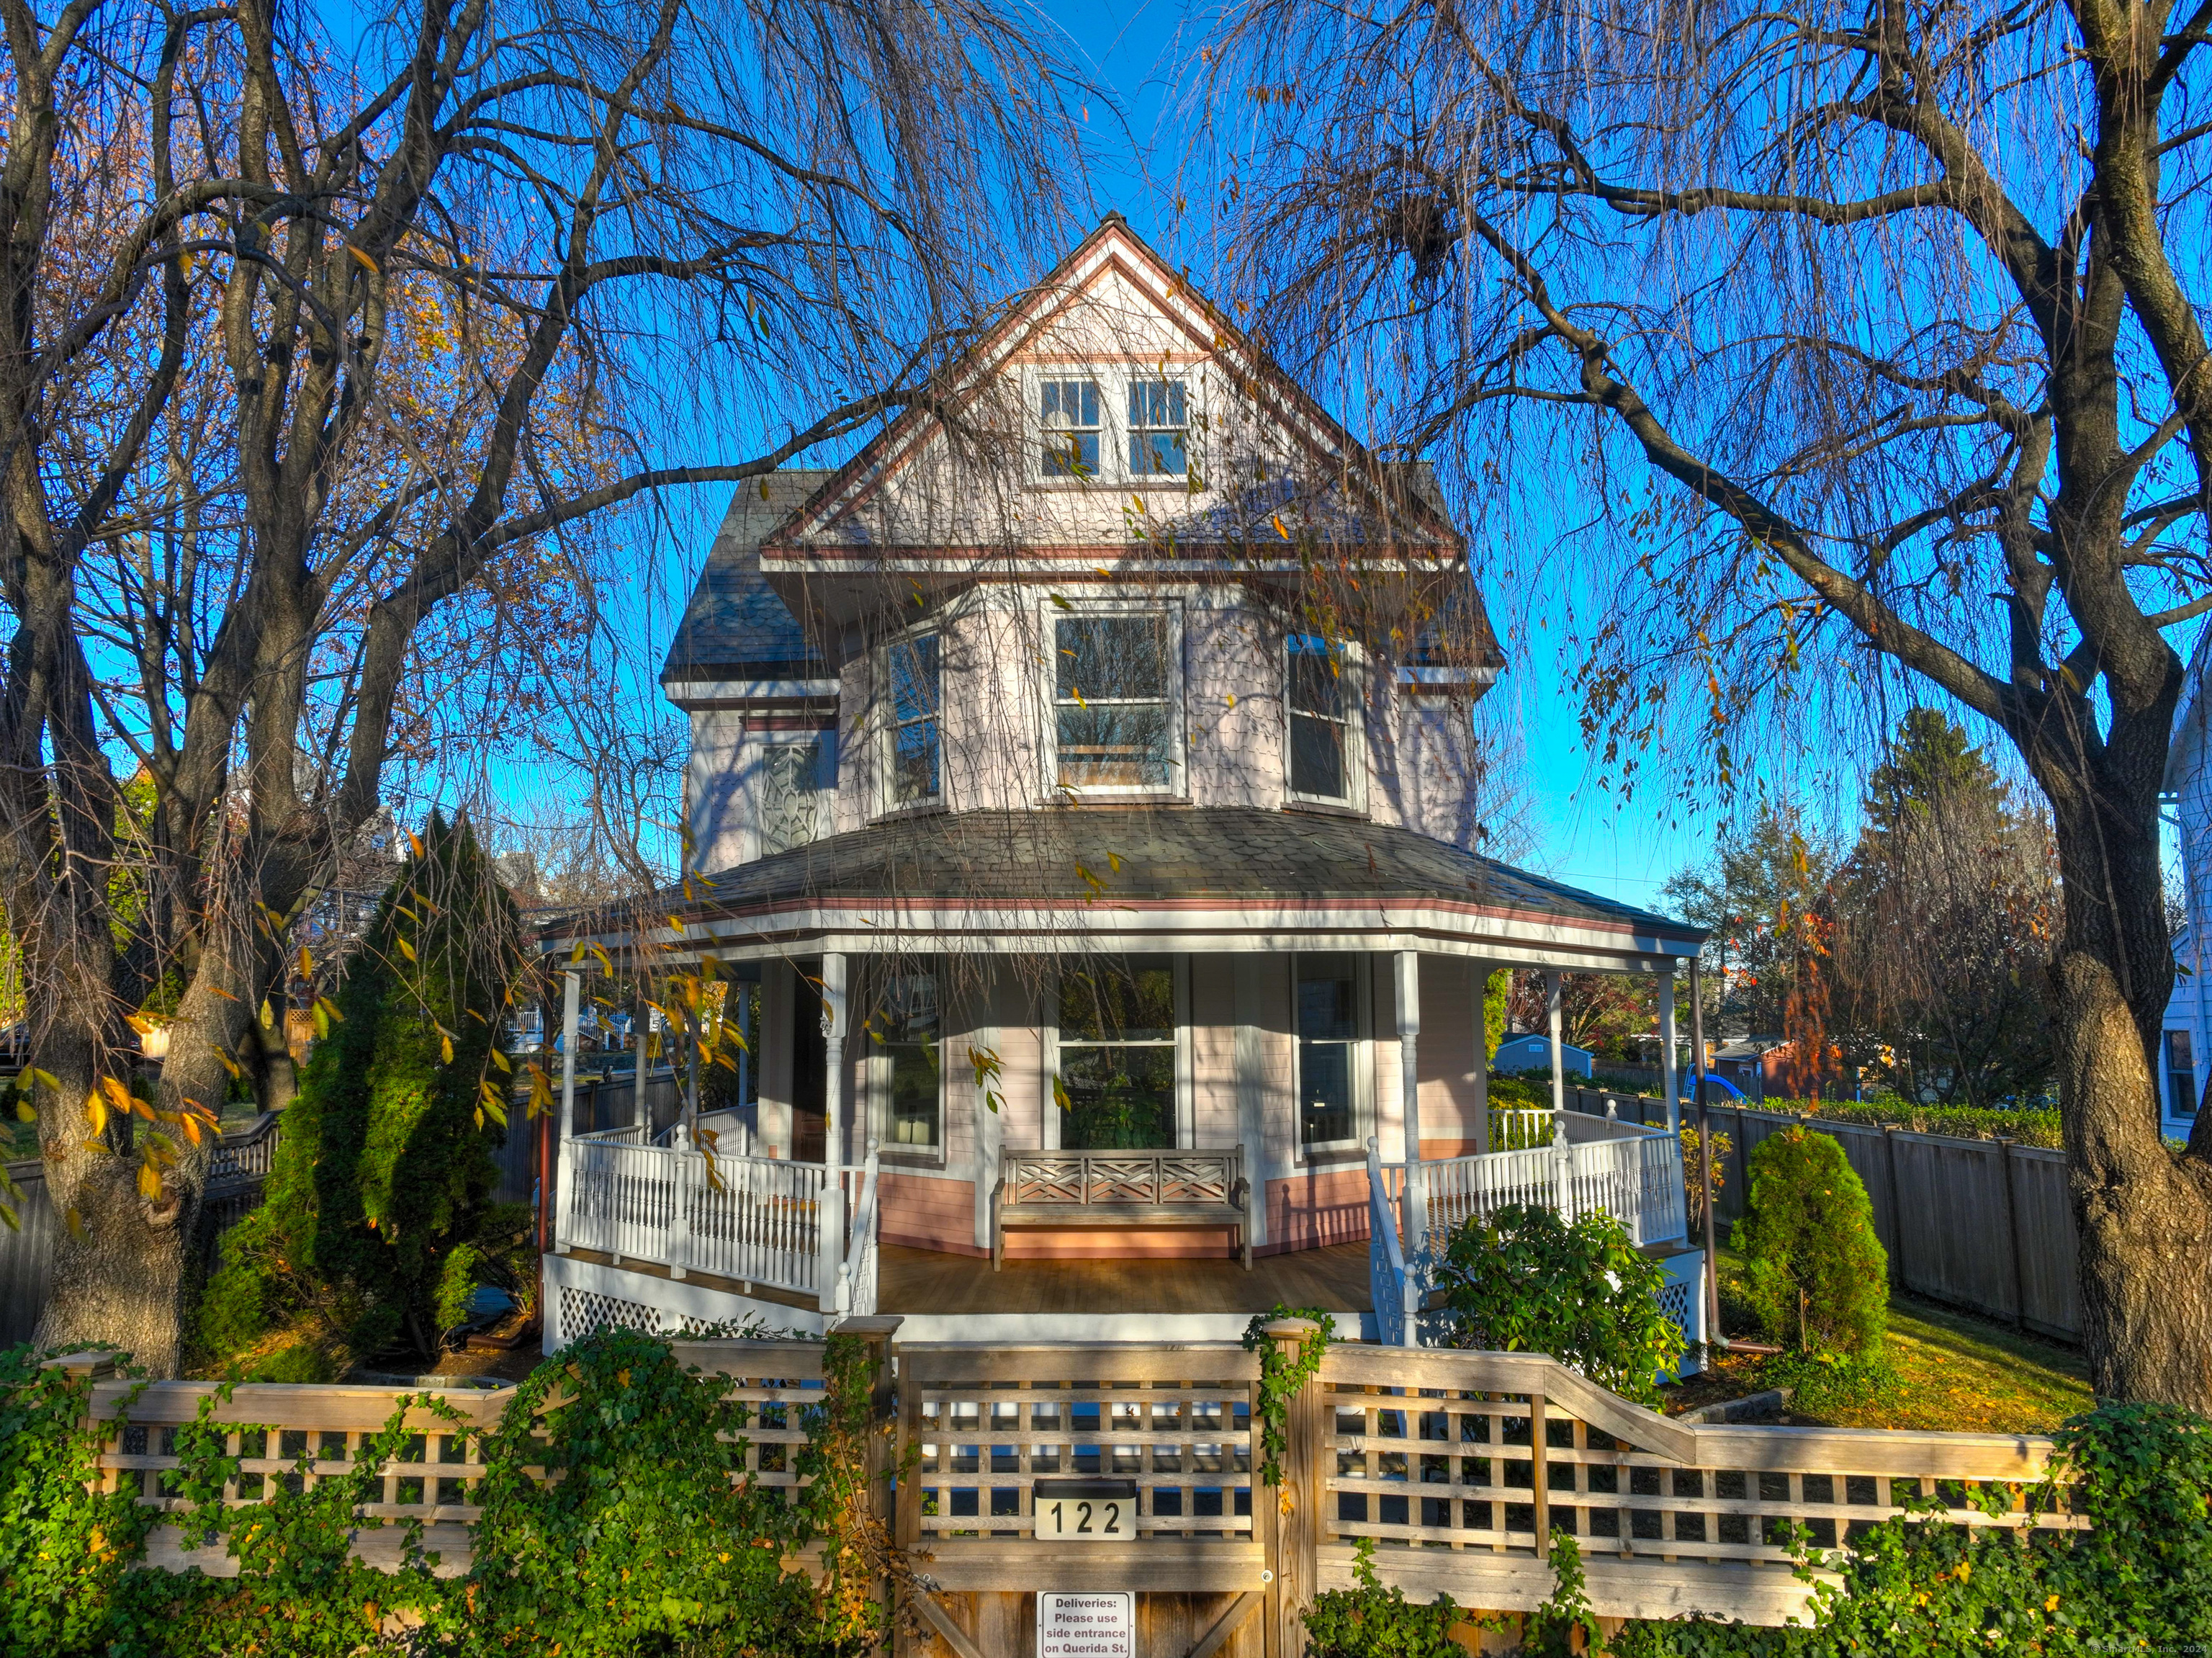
(1682, 1299)
(583, 1296)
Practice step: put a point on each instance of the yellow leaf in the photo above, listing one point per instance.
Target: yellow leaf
(329, 1009)
(268, 1016)
(306, 963)
(322, 1022)
(499, 1060)
(228, 1063)
(406, 949)
(75, 1221)
(577, 955)
(46, 1077)
(371, 263)
(445, 1046)
(26, 1112)
(1277, 519)
(139, 1022)
(95, 1111)
(415, 841)
(675, 924)
(149, 1181)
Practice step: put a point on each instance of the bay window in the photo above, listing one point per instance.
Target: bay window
(1116, 702)
(1320, 695)
(915, 675)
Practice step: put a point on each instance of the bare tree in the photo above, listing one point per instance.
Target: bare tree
(312, 381)
(1873, 337)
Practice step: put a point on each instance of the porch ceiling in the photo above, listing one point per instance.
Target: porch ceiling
(1176, 878)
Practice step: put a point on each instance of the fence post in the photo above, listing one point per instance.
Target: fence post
(1563, 1171)
(1291, 1534)
(1896, 1207)
(679, 1226)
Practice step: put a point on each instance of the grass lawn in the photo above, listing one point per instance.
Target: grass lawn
(1957, 1374)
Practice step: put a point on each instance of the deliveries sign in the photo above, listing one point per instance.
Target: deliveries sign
(1094, 1625)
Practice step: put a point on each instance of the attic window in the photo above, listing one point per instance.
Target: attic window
(1068, 416)
(1159, 428)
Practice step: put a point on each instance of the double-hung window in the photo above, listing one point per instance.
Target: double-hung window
(1326, 990)
(1069, 424)
(910, 1058)
(915, 677)
(1320, 695)
(1116, 1089)
(1159, 428)
(1116, 701)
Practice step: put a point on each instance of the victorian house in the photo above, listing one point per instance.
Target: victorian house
(1083, 805)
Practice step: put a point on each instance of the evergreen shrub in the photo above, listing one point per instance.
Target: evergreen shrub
(378, 1225)
(1527, 1280)
(1815, 1276)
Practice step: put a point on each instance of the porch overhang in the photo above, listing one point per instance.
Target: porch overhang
(1136, 879)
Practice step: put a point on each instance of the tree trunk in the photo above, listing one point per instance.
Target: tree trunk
(2144, 1216)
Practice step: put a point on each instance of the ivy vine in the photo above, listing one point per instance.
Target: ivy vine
(1281, 1376)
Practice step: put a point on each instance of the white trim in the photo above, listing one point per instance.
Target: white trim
(687, 694)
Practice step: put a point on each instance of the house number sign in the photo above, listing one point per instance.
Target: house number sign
(1085, 1510)
(1096, 1623)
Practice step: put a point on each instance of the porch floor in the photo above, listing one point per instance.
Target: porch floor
(927, 1281)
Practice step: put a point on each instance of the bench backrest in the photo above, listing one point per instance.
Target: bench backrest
(1102, 1179)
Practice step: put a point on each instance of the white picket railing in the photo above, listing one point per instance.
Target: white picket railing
(856, 1276)
(1635, 1175)
(753, 1219)
(1518, 1128)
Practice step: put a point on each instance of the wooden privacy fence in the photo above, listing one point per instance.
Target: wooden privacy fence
(1136, 1466)
(1981, 1224)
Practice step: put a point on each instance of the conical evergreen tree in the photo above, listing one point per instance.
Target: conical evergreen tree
(378, 1223)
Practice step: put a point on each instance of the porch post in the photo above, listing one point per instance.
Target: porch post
(571, 999)
(745, 992)
(1409, 1090)
(832, 1241)
(1705, 1175)
(1552, 1015)
(644, 1045)
(1669, 1084)
(1482, 971)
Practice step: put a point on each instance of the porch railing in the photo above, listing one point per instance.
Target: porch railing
(1635, 1175)
(756, 1220)
(1394, 1291)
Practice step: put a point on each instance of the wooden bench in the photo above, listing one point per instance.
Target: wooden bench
(1076, 1190)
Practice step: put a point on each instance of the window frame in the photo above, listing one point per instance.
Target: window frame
(1177, 786)
(1114, 378)
(878, 1078)
(1353, 679)
(1049, 1054)
(2177, 1109)
(1362, 1046)
(890, 724)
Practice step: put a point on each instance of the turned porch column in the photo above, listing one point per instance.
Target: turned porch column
(1408, 999)
(1481, 970)
(1669, 1083)
(571, 1000)
(1553, 1015)
(832, 1242)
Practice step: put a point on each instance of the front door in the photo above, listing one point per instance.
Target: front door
(810, 1057)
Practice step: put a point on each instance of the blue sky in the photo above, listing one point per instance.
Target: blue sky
(1140, 50)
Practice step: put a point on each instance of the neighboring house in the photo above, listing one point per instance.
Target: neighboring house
(2187, 1034)
(1064, 858)
(1532, 1050)
(1760, 1067)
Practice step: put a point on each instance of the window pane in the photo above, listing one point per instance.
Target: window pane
(1328, 999)
(1316, 684)
(1124, 746)
(1157, 454)
(914, 677)
(910, 1027)
(1118, 1099)
(1132, 1000)
(1316, 758)
(1328, 1024)
(1156, 403)
(1111, 657)
(1071, 455)
(2180, 1076)
(913, 761)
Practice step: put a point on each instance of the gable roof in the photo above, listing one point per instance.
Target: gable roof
(1400, 497)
